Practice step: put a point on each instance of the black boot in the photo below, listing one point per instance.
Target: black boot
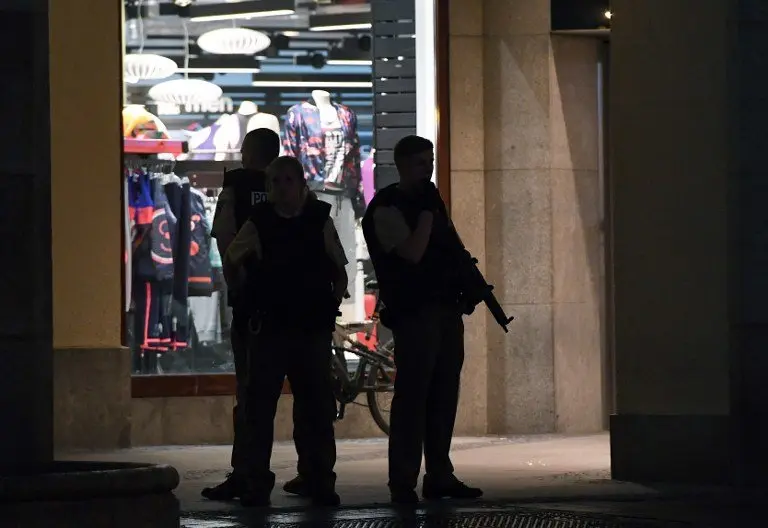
(297, 486)
(256, 494)
(403, 496)
(448, 488)
(228, 490)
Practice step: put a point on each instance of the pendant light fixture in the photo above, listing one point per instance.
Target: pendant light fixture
(146, 66)
(186, 91)
(233, 41)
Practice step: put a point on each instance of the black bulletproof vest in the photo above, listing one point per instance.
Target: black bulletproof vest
(404, 286)
(250, 189)
(293, 280)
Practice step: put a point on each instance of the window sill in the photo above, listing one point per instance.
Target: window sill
(186, 385)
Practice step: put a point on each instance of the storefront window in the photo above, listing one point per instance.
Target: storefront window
(198, 77)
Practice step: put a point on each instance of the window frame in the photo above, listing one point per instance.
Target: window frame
(189, 385)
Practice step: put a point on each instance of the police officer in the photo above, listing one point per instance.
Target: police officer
(242, 190)
(406, 227)
(289, 253)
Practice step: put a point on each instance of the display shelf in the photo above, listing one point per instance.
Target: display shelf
(154, 146)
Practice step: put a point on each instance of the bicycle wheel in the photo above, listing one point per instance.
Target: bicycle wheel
(380, 396)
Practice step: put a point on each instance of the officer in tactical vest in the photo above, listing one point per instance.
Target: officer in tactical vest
(406, 227)
(242, 190)
(289, 256)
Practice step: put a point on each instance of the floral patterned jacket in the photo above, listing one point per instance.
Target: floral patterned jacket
(303, 138)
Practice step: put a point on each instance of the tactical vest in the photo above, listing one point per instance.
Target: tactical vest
(404, 286)
(250, 189)
(283, 288)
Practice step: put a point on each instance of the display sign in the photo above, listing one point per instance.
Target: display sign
(580, 15)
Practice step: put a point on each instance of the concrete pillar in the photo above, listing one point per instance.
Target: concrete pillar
(25, 269)
(468, 194)
(687, 113)
(542, 222)
(92, 372)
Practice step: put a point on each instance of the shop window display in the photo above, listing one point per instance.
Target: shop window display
(314, 88)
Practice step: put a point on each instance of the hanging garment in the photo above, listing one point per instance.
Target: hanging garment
(163, 230)
(140, 212)
(179, 201)
(206, 317)
(127, 249)
(330, 157)
(367, 175)
(152, 315)
(200, 278)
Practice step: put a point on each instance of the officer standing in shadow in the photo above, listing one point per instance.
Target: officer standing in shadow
(242, 190)
(288, 253)
(406, 228)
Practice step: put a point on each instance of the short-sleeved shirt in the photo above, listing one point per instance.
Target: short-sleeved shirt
(391, 228)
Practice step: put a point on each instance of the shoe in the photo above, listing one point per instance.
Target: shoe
(452, 488)
(228, 490)
(404, 496)
(327, 499)
(255, 498)
(297, 486)
(256, 494)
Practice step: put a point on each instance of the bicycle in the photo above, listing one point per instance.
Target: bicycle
(358, 368)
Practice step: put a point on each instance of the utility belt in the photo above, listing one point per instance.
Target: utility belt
(390, 314)
(286, 319)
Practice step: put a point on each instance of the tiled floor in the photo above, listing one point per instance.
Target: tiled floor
(507, 468)
(528, 481)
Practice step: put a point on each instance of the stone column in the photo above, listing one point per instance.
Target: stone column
(92, 372)
(25, 281)
(542, 231)
(468, 195)
(689, 216)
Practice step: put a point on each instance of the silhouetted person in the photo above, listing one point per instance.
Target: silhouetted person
(242, 190)
(405, 228)
(289, 255)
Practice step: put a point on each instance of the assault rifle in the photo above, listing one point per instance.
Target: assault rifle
(476, 289)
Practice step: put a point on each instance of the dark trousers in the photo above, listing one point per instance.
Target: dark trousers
(301, 434)
(239, 339)
(305, 358)
(429, 354)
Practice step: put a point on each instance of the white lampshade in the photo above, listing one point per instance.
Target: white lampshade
(233, 41)
(185, 91)
(138, 66)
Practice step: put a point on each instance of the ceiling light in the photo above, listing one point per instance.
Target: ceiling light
(340, 22)
(608, 15)
(138, 66)
(349, 62)
(237, 10)
(184, 91)
(233, 41)
(312, 84)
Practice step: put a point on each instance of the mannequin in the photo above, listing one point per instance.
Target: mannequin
(214, 137)
(258, 119)
(333, 138)
(322, 134)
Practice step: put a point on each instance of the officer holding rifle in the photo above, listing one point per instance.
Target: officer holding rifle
(418, 258)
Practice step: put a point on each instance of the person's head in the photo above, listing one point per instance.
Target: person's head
(415, 159)
(259, 148)
(285, 182)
